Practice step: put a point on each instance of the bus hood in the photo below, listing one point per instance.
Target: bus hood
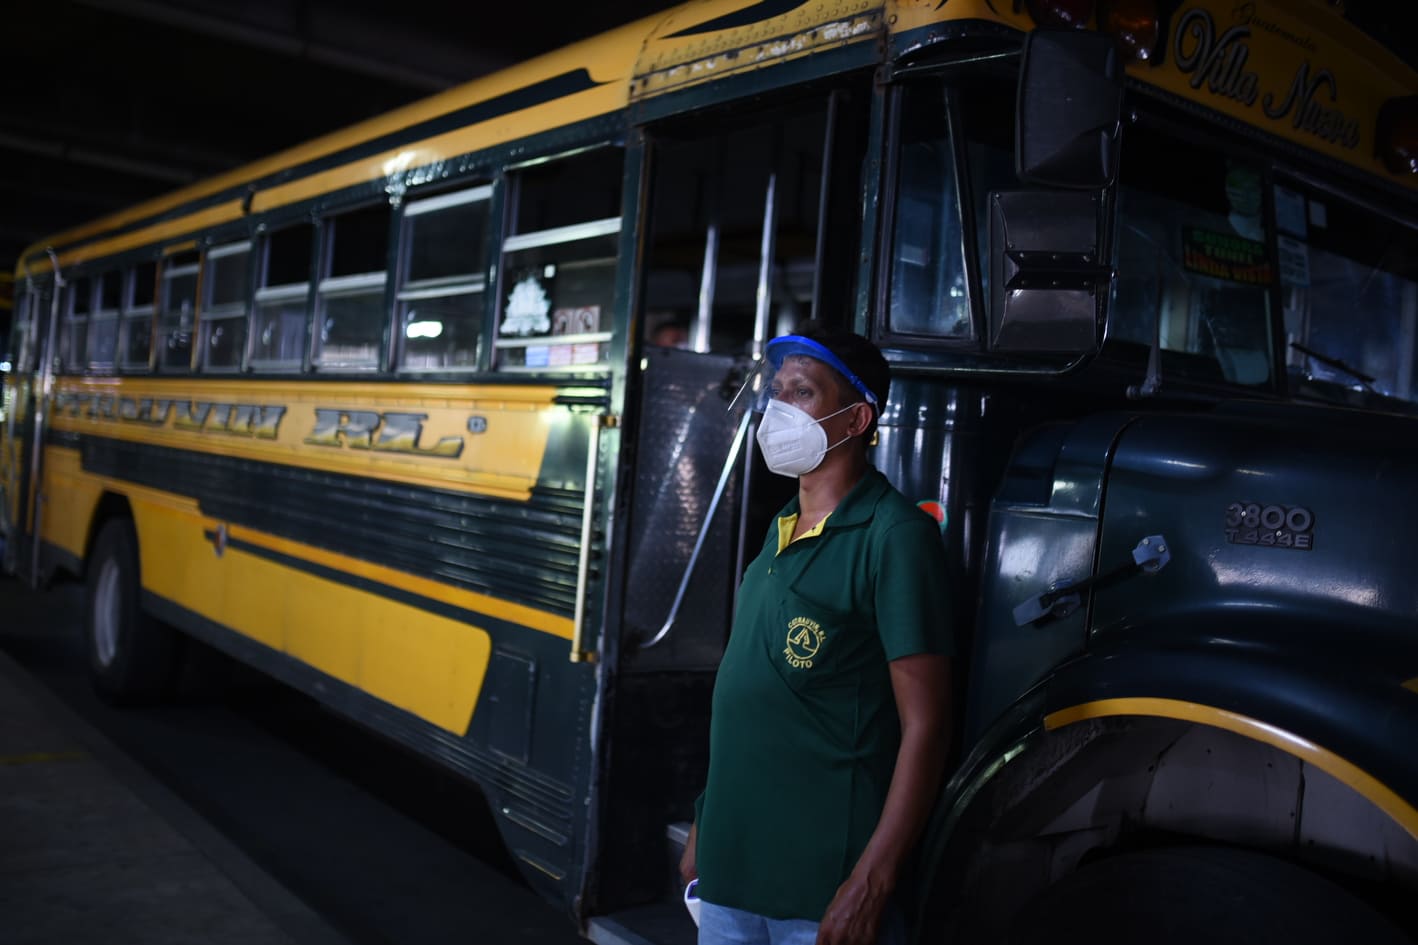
(1288, 527)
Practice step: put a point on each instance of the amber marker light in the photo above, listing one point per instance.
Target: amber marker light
(1133, 26)
(1396, 135)
(1061, 14)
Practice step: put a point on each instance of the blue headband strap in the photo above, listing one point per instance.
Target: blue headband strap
(780, 348)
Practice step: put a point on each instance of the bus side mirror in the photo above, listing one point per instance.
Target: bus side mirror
(1045, 271)
(1069, 111)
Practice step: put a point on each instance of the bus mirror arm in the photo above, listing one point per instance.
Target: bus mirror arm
(729, 461)
(1060, 600)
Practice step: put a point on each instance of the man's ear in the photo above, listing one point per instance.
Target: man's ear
(862, 416)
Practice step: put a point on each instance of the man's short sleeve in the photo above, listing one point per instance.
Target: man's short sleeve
(912, 611)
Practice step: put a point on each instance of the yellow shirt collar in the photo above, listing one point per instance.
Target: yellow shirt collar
(786, 524)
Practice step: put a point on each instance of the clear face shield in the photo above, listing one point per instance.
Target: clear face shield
(763, 384)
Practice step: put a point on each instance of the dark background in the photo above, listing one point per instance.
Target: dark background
(109, 102)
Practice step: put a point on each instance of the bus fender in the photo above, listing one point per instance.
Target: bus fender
(1130, 747)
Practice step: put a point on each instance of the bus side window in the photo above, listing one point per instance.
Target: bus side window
(136, 330)
(101, 347)
(178, 312)
(929, 286)
(557, 284)
(79, 298)
(349, 303)
(440, 304)
(22, 337)
(225, 283)
(279, 316)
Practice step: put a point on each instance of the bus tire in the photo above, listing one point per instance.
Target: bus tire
(132, 656)
(1193, 894)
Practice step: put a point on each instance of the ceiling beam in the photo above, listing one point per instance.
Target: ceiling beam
(298, 40)
(59, 150)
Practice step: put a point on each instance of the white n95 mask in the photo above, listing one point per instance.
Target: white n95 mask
(792, 440)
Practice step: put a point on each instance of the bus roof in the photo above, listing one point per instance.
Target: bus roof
(1292, 69)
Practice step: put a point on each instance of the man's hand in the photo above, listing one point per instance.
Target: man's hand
(687, 868)
(921, 685)
(854, 915)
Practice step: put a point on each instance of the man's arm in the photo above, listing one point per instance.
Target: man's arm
(921, 686)
(688, 869)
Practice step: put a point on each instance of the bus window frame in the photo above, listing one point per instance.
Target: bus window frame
(931, 354)
(75, 325)
(212, 313)
(261, 293)
(129, 313)
(946, 79)
(168, 271)
(325, 286)
(99, 313)
(468, 190)
(22, 335)
(510, 180)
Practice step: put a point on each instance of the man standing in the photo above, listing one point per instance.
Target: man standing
(829, 723)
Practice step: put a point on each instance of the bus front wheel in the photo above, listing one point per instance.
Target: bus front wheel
(1217, 895)
(132, 656)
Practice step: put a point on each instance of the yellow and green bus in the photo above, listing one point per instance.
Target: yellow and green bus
(391, 416)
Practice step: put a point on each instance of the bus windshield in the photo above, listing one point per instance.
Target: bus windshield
(1191, 244)
(1192, 258)
(1349, 279)
(1212, 247)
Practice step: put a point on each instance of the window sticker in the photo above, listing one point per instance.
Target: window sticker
(527, 308)
(576, 321)
(1294, 261)
(1243, 194)
(1319, 214)
(1290, 212)
(1224, 256)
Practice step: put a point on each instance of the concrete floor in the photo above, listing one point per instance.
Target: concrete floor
(92, 849)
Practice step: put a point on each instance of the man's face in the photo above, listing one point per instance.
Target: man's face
(816, 389)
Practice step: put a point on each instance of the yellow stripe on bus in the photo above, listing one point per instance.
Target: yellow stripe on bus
(1363, 783)
(424, 587)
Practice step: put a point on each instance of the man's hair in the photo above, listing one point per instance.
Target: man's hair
(861, 357)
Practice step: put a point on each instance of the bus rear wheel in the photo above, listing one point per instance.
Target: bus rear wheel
(133, 657)
(1217, 895)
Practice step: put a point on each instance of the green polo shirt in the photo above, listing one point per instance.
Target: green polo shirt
(804, 733)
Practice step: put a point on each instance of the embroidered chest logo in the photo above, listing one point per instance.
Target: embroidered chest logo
(804, 640)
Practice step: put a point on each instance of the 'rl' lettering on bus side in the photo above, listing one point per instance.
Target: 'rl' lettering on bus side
(386, 433)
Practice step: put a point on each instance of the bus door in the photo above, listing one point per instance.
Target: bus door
(33, 347)
(753, 225)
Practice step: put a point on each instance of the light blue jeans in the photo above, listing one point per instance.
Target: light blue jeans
(722, 925)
